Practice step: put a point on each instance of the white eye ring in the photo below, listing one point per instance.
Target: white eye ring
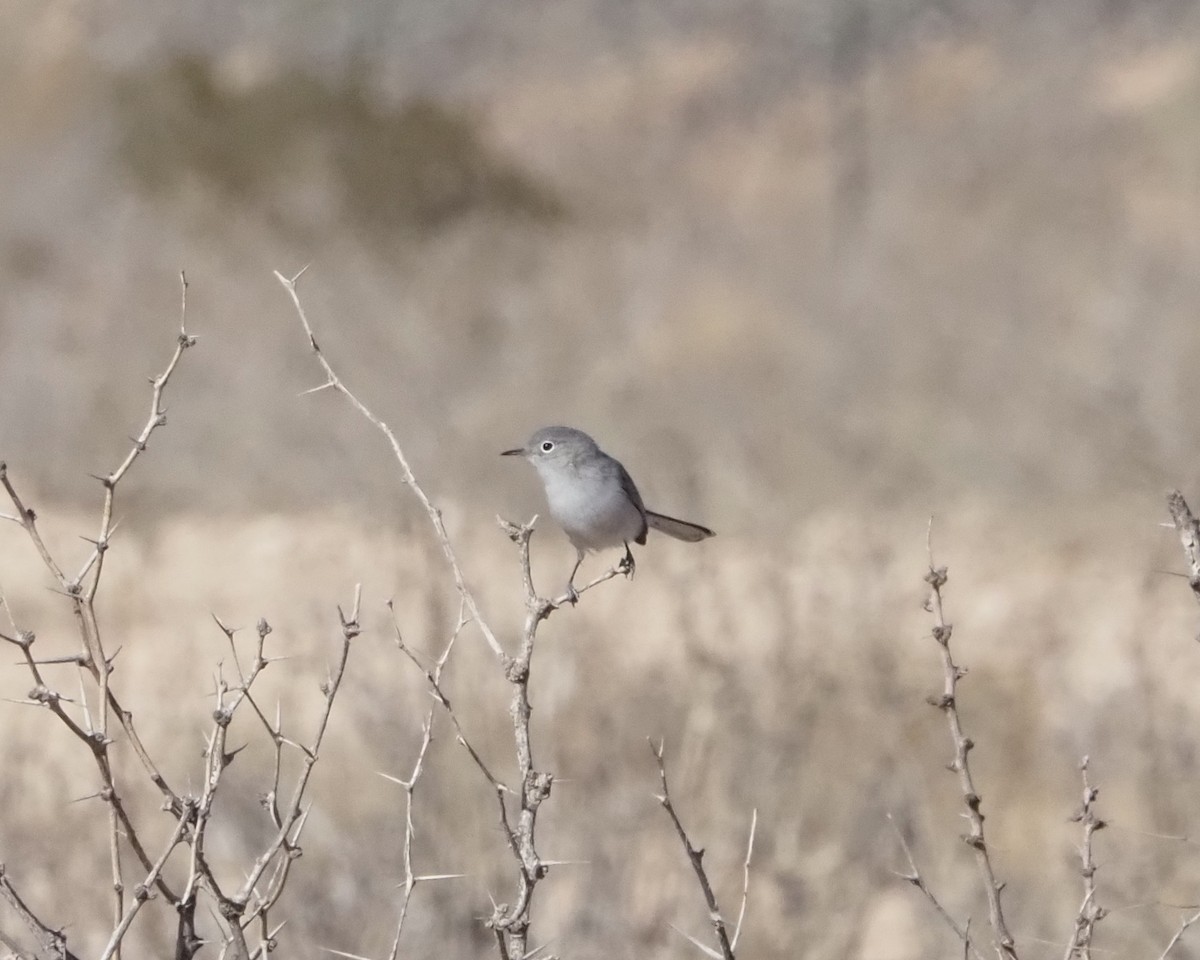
(547, 446)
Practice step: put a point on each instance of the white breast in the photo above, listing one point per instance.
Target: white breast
(593, 510)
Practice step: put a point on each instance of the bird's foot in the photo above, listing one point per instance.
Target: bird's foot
(626, 566)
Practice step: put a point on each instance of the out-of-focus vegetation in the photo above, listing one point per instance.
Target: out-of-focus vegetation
(805, 249)
(418, 166)
(812, 270)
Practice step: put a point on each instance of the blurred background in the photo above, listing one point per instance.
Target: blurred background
(814, 270)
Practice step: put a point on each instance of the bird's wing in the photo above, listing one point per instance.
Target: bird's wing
(631, 491)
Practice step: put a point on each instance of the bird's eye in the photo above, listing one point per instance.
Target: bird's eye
(547, 446)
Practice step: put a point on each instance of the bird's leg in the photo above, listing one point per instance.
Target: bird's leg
(626, 565)
(572, 594)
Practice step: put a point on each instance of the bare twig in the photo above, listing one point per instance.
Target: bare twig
(250, 905)
(143, 891)
(696, 858)
(1188, 529)
(1184, 924)
(411, 879)
(914, 877)
(947, 703)
(156, 419)
(515, 532)
(510, 924)
(285, 840)
(1090, 913)
(217, 759)
(261, 885)
(53, 942)
(737, 929)
(439, 694)
(406, 475)
(81, 591)
(28, 519)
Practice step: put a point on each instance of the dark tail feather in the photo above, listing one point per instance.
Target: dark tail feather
(679, 529)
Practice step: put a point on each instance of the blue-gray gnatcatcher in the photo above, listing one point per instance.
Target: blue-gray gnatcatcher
(593, 498)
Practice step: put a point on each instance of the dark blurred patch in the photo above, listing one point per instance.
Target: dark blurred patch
(418, 166)
(29, 258)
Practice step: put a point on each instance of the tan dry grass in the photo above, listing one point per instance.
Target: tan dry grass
(788, 679)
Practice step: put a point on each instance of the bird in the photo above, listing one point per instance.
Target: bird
(593, 498)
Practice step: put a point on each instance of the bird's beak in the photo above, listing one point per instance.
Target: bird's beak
(519, 452)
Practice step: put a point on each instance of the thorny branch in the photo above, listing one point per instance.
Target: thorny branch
(725, 943)
(1188, 529)
(411, 878)
(1090, 913)
(509, 923)
(53, 942)
(284, 848)
(334, 382)
(737, 927)
(81, 591)
(263, 883)
(142, 892)
(1184, 925)
(963, 932)
(947, 703)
